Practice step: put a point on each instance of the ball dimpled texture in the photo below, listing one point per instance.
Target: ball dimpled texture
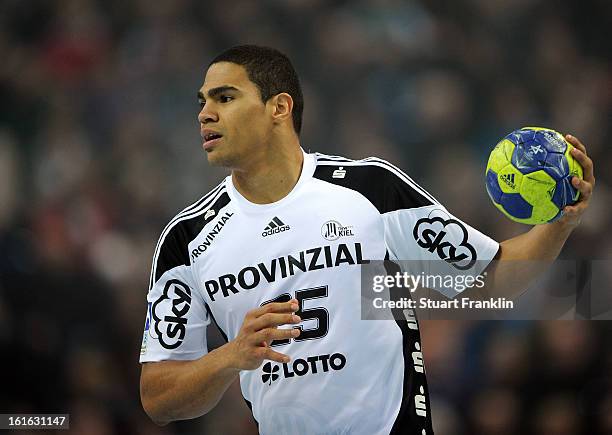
(529, 175)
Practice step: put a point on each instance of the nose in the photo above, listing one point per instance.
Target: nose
(207, 115)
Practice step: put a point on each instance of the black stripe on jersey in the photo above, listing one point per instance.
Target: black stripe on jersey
(322, 157)
(192, 210)
(174, 251)
(226, 340)
(380, 185)
(375, 161)
(407, 420)
(216, 324)
(251, 408)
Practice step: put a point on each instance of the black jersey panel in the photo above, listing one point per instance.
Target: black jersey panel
(383, 188)
(174, 250)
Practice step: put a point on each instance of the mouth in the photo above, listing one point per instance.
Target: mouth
(211, 139)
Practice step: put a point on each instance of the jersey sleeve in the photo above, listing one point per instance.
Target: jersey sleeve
(176, 320)
(425, 238)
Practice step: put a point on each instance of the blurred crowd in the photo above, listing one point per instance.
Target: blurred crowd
(100, 147)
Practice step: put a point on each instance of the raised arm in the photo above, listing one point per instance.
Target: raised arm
(520, 259)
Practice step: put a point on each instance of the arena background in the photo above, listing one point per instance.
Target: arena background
(99, 148)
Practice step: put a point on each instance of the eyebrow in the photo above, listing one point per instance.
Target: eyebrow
(212, 93)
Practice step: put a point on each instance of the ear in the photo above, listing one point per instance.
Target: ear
(282, 106)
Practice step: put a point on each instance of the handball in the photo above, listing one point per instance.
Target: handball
(529, 175)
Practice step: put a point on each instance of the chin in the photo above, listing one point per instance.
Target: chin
(216, 158)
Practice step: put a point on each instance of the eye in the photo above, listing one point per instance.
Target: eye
(201, 103)
(225, 98)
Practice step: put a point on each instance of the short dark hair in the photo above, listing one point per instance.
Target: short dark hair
(272, 73)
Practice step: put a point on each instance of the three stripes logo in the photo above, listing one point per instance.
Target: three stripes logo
(508, 179)
(275, 226)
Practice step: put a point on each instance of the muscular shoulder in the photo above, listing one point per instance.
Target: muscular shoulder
(172, 246)
(387, 187)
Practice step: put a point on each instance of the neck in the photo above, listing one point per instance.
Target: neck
(271, 177)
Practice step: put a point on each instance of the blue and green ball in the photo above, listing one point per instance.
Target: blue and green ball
(529, 175)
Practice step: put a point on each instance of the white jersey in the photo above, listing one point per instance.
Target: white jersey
(224, 256)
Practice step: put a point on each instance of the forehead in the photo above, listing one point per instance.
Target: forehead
(227, 74)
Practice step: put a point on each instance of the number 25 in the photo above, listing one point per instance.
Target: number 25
(320, 314)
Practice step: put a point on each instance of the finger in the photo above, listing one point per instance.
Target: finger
(268, 353)
(275, 307)
(573, 211)
(270, 334)
(586, 163)
(273, 319)
(576, 142)
(585, 188)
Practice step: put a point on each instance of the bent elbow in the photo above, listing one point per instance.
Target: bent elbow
(153, 407)
(164, 400)
(161, 415)
(154, 412)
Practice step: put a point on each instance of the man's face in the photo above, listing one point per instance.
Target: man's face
(231, 107)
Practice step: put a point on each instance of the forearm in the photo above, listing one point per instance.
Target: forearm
(522, 259)
(178, 390)
(541, 243)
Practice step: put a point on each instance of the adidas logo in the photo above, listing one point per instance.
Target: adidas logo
(536, 149)
(275, 226)
(508, 179)
(339, 173)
